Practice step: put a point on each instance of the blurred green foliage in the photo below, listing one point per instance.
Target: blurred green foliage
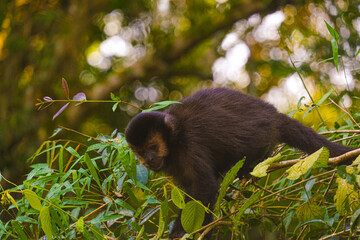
(169, 49)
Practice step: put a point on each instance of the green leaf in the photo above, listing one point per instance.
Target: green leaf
(56, 131)
(142, 174)
(115, 106)
(335, 51)
(332, 31)
(97, 232)
(113, 97)
(325, 97)
(80, 225)
(138, 237)
(291, 114)
(92, 169)
(45, 220)
(228, 179)
(33, 199)
(192, 216)
(97, 146)
(61, 160)
(164, 208)
(357, 53)
(178, 197)
(105, 218)
(260, 170)
(246, 205)
(73, 152)
(160, 105)
(299, 102)
(19, 229)
(124, 205)
(309, 211)
(354, 222)
(317, 159)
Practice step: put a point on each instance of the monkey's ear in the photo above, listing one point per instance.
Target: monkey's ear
(172, 123)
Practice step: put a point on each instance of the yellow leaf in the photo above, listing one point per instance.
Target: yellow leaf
(45, 220)
(317, 159)
(260, 170)
(345, 194)
(80, 224)
(12, 200)
(33, 199)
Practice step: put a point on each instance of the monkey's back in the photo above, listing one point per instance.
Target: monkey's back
(228, 123)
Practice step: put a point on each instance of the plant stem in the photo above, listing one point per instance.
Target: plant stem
(307, 90)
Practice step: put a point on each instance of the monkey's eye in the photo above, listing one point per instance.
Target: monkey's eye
(153, 147)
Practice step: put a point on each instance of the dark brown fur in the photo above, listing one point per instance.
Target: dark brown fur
(208, 133)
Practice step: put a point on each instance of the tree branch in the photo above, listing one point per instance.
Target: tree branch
(332, 161)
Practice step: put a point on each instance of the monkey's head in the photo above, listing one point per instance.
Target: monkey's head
(148, 135)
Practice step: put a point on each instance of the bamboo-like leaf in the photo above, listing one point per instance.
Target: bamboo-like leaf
(138, 237)
(33, 199)
(61, 159)
(228, 179)
(65, 87)
(354, 222)
(19, 230)
(45, 220)
(325, 97)
(56, 131)
(246, 205)
(192, 216)
(72, 151)
(317, 159)
(163, 213)
(178, 197)
(160, 105)
(260, 170)
(332, 31)
(106, 218)
(92, 169)
(335, 51)
(357, 53)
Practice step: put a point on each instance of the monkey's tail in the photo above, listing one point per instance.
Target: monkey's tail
(297, 135)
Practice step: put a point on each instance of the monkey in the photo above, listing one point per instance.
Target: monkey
(202, 137)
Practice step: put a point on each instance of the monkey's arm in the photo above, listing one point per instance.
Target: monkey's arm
(201, 184)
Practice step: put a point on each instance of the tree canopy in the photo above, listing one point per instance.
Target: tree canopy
(302, 56)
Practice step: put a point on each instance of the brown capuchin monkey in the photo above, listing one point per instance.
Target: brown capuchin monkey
(200, 139)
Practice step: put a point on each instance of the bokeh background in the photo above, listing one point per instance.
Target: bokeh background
(146, 51)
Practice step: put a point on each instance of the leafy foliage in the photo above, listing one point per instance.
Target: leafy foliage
(97, 191)
(94, 189)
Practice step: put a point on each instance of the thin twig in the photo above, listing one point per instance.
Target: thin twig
(346, 111)
(209, 228)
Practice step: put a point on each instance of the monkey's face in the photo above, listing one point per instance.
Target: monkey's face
(153, 153)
